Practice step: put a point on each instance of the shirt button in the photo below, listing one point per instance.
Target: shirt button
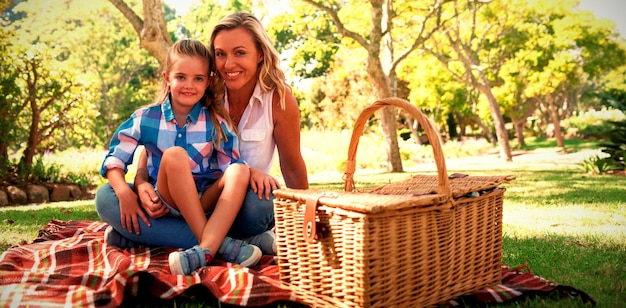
(180, 135)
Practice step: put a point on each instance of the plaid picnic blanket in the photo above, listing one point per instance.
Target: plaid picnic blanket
(69, 264)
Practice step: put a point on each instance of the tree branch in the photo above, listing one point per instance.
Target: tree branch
(435, 12)
(130, 15)
(340, 26)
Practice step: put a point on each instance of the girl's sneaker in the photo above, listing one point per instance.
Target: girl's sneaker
(266, 241)
(114, 238)
(235, 251)
(187, 261)
(240, 252)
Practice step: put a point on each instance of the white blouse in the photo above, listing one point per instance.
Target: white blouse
(256, 130)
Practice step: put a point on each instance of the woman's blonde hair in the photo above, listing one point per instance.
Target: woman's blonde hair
(195, 48)
(270, 75)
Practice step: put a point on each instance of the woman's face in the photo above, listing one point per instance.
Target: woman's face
(237, 58)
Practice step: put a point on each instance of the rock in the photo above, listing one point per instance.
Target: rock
(75, 192)
(4, 198)
(37, 194)
(16, 195)
(59, 193)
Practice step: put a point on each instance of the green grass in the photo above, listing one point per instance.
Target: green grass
(20, 224)
(571, 145)
(567, 226)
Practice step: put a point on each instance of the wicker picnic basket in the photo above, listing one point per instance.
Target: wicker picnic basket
(414, 243)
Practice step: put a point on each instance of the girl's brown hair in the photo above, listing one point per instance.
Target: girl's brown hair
(195, 48)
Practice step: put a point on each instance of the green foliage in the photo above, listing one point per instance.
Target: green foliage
(615, 146)
(11, 91)
(436, 92)
(42, 173)
(77, 178)
(599, 165)
(346, 84)
(202, 16)
(46, 169)
(593, 123)
(311, 35)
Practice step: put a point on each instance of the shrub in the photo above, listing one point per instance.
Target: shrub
(593, 123)
(615, 145)
(598, 165)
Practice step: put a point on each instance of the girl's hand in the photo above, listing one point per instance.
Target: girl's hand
(129, 210)
(262, 184)
(150, 201)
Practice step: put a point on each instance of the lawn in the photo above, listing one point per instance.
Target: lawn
(567, 226)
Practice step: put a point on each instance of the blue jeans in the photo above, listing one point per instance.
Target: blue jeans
(256, 216)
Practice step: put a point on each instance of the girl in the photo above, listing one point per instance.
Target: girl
(186, 125)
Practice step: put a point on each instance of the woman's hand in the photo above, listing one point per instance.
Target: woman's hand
(262, 184)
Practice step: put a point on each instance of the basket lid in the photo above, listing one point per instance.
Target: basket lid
(460, 185)
(364, 202)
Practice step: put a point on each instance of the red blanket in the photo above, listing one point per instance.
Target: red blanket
(69, 264)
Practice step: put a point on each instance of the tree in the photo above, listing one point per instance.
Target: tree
(122, 76)
(198, 23)
(10, 91)
(557, 53)
(47, 96)
(346, 83)
(438, 93)
(388, 31)
(152, 29)
(468, 49)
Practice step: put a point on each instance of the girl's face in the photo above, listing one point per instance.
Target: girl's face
(237, 58)
(188, 78)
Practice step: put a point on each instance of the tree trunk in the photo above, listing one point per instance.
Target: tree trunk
(486, 132)
(554, 116)
(152, 31)
(26, 162)
(519, 132)
(413, 127)
(498, 120)
(388, 114)
(501, 133)
(4, 134)
(452, 127)
(388, 123)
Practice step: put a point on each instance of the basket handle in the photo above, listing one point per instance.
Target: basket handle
(431, 133)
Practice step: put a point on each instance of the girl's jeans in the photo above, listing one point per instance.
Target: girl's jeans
(256, 216)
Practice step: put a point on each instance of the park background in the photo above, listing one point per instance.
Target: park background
(72, 71)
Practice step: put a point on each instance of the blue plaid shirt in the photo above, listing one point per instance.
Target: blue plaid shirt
(155, 128)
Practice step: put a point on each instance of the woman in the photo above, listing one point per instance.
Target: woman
(267, 117)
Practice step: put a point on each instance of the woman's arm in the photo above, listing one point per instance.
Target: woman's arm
(287, 137)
